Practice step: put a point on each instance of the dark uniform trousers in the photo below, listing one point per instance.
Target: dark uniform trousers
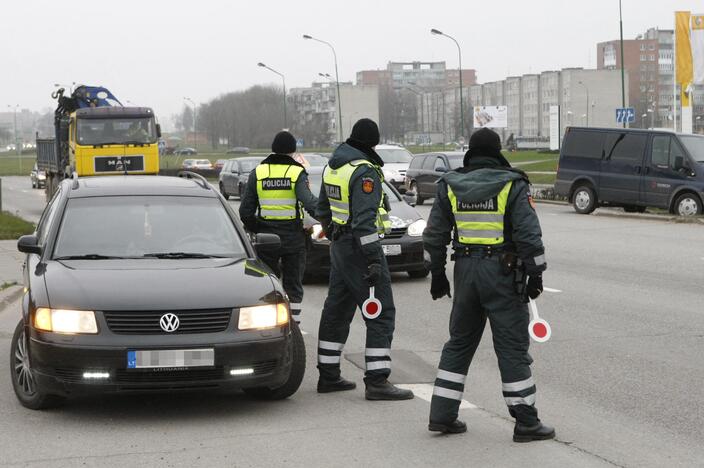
(289, 264)
(481, 292)
(346, 293)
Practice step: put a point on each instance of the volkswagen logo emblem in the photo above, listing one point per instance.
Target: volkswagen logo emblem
(169, 323)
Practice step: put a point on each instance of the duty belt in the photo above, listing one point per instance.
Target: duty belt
(477, 251)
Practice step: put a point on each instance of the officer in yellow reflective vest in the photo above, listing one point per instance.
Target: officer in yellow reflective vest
(486, 210)
(277, 192)
(353, 211)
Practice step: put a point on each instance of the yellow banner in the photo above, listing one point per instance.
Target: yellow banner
(683, 53)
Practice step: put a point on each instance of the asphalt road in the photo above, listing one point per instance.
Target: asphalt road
(18, 196)
(621, 378)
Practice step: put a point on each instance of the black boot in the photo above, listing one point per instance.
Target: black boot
(540, 431)
(384, 390)
(339, 385)
(455, 427)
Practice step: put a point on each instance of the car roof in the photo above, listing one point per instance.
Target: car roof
(449, 154)
(668, 131)
(389, 147)
(105, 186)
(249, 158)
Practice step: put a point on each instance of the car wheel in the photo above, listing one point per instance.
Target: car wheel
(634, 209)
(298, 368)
(584, 199)
(23, 382)
(418, 273)
(419, 199)
(688, 204)
(224, 193)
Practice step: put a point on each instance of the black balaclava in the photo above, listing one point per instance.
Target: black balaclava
(365, 136)
(485, 142)
(284, 143)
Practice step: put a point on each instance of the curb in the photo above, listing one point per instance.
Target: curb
(653, 217)
(9, 296)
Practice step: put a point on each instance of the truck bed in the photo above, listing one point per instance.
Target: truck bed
(46, 155)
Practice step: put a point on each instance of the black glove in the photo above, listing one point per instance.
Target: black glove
(440, 286)
(535, 286)
(373, 274)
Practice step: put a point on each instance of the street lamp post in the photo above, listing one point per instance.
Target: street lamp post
(194, 120)
(587, 89)
(14, 134)
(337, 81)
(283, 79)
(459, 51)
(623, 73)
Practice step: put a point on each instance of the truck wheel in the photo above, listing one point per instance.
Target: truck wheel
(26, 388)
(298, 368)
(584, 199)
(225, 195)
(419, 199)
(687, 204)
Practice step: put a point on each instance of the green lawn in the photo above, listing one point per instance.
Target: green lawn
(11, 164)
(548, 165)
(12, 227)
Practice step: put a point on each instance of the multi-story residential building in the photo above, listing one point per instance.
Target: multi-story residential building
(423, 75)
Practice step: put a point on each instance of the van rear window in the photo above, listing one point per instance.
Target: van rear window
(583, 144)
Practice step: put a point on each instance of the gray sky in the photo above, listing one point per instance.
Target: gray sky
(155, 52)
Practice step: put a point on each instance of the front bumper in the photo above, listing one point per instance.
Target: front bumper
(59, 367)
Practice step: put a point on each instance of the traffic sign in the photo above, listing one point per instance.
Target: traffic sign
(299, 143)
(625, 115)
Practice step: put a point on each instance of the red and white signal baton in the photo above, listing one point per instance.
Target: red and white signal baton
(538, 328)
(371, 308)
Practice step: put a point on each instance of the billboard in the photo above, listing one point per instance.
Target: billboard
(554, 128)
(490, 116)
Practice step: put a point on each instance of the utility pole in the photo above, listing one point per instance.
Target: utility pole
(337, 81)
(194, 121)
(459, 51)
(623, 73)
(283, 79)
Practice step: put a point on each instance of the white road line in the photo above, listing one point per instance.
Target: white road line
(552, 290)
(425, 392)
(304, 332)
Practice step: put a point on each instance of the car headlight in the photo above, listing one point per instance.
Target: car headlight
(416, 228)
(264, 316)
(65, 321)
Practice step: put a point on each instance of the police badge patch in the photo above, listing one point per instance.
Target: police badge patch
(367, 185)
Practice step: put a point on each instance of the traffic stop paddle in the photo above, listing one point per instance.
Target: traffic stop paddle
(538, 328)
(371, 308)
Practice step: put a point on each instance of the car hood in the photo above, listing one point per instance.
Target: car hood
(399, 209)
(158, 284)
(396, 166)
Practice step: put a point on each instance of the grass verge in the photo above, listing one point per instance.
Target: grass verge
(12, 227)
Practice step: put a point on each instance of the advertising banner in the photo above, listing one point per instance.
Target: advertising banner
(490, 116)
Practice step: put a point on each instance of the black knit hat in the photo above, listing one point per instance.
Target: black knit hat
(366, 131)
(485, 142)
(284, 143)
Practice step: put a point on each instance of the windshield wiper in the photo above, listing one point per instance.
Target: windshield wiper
(89, 257)
(178, 255)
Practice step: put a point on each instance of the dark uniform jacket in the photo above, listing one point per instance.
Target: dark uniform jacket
(480, 181)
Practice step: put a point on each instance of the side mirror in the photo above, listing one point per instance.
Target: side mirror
(266, 242)
(441, 169)
(158, 130)
(410, 197)
(29, 244)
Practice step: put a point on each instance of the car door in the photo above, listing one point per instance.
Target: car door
(622, 168)
(426, 181)
(440, 167)
(666, 169)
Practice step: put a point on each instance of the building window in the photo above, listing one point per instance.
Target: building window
(642, 47)
(643, 57)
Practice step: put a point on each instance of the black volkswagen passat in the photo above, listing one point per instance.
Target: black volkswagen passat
(137, 283)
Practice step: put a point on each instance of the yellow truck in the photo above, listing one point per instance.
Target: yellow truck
(95, 136)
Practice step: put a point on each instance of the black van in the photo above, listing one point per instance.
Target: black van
(633, 169)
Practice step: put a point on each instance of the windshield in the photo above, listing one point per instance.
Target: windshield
(249, 165)
(317, 179)
(116, 131)
(695, 146)
(395, 155)
(135, 226)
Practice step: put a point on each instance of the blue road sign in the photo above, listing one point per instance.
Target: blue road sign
(299, 143)
(625, 115)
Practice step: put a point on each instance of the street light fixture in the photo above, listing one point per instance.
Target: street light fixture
(283, 79)
(459, 51)
(337, 81)
(587, 89)
(326, 76)
(194, 119)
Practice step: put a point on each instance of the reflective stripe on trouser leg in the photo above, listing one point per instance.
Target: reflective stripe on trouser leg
(449, 385)
(521, 392)
(295, 311)
(380, 331)
(329, 352)
(377, 358)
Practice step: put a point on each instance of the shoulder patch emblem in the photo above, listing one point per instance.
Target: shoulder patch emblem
(367, 185)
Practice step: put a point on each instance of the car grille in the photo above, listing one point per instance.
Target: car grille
(395, 233)
(147, 322)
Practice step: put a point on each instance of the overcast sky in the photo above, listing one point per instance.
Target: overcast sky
(153, 52)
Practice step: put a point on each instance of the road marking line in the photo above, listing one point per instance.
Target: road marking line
(425, 392)
(552, 290)
(304, 332)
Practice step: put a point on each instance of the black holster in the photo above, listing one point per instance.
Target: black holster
(512, 264)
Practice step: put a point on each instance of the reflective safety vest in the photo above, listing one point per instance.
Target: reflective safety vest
(480, 222)
(337, 188)
(276, 189)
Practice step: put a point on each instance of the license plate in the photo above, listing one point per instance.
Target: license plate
(118, 163)
(392, 249)
(170, 358)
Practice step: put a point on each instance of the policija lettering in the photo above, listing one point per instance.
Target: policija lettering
(277, 183)
(486, 205)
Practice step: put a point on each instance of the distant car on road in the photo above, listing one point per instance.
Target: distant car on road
(426, 169)
(396, 160)
(38, 177)
(196, 164)
(144, 283)
(403, 247)
(185, 152)
(633, 169)
(234, 175)
(238, 150)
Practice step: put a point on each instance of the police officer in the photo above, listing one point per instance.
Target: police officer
(277, 193)
(486, 210)
(353, 211)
